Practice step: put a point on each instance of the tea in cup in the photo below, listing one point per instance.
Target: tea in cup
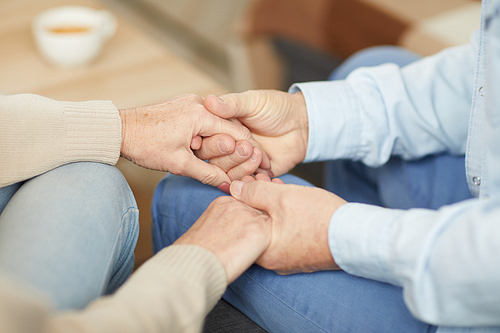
(73, 35)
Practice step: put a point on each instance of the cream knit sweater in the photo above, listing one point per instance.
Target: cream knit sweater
(172, 292)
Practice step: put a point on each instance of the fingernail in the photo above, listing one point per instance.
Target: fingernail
(223, 146)
(221, 100)
(236, 187)
(240, 150)
(224, 187)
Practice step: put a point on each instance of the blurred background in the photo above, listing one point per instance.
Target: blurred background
(163, 48)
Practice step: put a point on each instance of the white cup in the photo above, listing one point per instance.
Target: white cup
(72, 35)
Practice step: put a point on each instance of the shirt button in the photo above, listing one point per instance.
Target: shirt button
(476, 181)
(480, 91)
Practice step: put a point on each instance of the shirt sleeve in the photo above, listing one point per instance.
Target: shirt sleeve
(445, 260)
(381, 111)
(38, 134)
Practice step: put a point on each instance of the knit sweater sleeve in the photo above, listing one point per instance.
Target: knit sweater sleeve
(38, 134)
(172, 292)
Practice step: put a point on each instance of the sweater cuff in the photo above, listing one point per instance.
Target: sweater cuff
(198, 265)
(93, 131)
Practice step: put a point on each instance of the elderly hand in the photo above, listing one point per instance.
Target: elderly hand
(246, 157)
(163, 136)
(300, 216)
(235, 233)
(277, 120)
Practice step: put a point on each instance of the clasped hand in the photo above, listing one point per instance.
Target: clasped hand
(281, 227)
(165, 137)
(238, 133)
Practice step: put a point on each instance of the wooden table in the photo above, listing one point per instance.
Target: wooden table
(133, 70)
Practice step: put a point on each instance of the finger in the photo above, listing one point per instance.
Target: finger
(248, 167)
(263, 176)
(242, 152)
(232, 105)
(258, 194)
(196, 142)
(268, 172)
(217, 125)
(277, 181)
(204, 172)
(247, 179)
(224, 187)
(215, 146)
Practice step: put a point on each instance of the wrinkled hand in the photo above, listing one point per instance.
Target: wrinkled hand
(277, 120)
(247, 158)
(300, 217)
(163, 136)
(236, 233)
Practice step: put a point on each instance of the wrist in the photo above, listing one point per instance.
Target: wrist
(300, 107)
(125, 116)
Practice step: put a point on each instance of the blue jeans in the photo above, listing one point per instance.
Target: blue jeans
(331, 301)
(69, 233)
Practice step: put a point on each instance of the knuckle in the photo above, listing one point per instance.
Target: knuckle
(194, 98)
(209, 178)
(252, 95)
(246, 132)
(258, 98)
(270, 263)
(238, 102)
(220, 163)
(184, 163)
(180, 168)
(190, 102)
(249, 167)
(223, 200)
(229, 206)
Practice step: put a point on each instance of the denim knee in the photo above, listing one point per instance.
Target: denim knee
(78, 223)
(115, 192)
(105, 189)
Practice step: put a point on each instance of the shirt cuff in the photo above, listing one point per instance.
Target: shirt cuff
(358, 237)
(334, 120)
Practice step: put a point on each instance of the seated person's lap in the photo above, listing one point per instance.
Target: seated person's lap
(69, 233)
(430, 182)
(327, 301)
(322, 301)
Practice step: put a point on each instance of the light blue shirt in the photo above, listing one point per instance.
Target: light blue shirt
(447, 261)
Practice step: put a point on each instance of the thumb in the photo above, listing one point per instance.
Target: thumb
(233, 105)
(205, 172)
(258, 194)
